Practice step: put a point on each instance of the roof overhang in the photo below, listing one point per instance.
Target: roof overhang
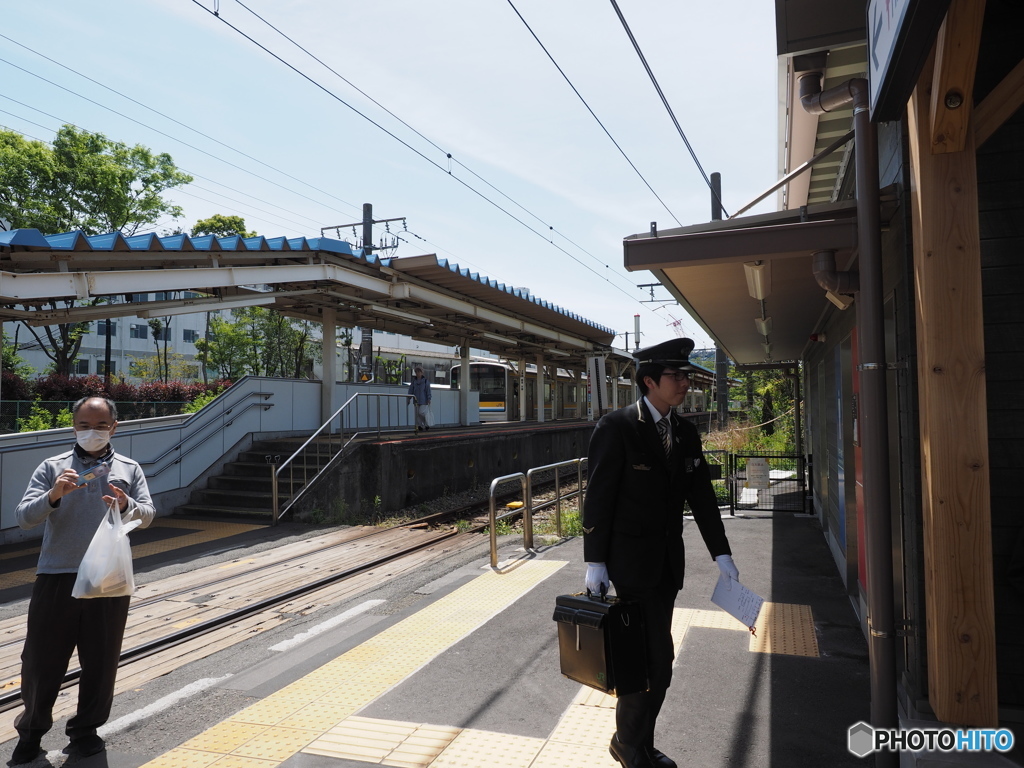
(703, 267)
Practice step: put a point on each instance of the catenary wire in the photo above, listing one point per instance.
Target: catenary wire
(650, 74)
(592, 113)
(178, 122)
(409, 146)
(448, 155)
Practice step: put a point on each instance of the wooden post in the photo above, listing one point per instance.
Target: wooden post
(953, 422)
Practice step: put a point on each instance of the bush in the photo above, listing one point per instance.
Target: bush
(15, 388)
(40, 418)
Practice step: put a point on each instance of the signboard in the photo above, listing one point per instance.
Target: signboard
(757, 474)
(900, 35)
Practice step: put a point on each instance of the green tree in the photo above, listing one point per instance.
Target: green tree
(84, 181)
(26, 181)
(63, 341)
(10, 360)
(220, 225)
(224, 348)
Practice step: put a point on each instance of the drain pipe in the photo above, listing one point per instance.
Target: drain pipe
(823, 265)
(873, 406)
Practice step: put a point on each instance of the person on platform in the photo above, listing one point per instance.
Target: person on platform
(644, 463)
(420, 390)
(72, 510)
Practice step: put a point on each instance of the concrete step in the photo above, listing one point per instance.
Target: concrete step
(233, 498)
(212, 510)
(261, 469)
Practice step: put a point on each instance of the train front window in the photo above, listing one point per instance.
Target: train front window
(490, 383)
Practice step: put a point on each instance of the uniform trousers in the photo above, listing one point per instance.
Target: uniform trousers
(57, 623)
(636, 713)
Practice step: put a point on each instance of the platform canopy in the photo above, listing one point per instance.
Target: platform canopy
(419, 296)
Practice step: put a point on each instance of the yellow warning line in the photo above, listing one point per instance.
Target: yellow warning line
(201, 533)
(300, 714)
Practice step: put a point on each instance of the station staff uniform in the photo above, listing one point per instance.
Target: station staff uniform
(633, 524)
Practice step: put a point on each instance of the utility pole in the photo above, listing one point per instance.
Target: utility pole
(366, 339)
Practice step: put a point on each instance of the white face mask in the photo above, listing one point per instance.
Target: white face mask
(93, 440)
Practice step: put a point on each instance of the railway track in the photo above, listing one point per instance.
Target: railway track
(221, 605)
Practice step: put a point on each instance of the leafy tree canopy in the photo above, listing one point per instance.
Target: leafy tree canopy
(220, 225)
(84, 181)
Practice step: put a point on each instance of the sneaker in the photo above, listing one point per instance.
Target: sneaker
(85, 746)
(26, 751)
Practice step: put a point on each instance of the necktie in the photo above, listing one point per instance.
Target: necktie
(666, 437)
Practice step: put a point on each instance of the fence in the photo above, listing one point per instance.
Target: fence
(766, 480)
(15, 412)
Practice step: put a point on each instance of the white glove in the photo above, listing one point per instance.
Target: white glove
(728, 569)
(597, 578)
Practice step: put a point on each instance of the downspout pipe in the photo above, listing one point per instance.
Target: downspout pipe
(823, 264)
(873, 410)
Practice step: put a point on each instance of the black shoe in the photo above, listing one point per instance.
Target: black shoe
(659, 759)
(26, 751)
(627, 756)
(85, 746)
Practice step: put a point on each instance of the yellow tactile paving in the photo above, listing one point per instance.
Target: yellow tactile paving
(386, 742)
(341, 687)
(785, 628)
(277, 744)
(200, 532)
(485, 749)
(558, 755)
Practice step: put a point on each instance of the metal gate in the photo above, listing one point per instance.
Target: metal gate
(766, 480)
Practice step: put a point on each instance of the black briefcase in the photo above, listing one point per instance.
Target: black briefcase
(601, 642)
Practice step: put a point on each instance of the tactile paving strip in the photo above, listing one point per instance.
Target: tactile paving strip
(785, 628)
(266, 733)
(484, 749)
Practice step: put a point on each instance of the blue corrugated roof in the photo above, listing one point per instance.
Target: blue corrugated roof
(114, 241)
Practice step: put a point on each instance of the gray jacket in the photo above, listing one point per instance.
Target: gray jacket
(70, 524)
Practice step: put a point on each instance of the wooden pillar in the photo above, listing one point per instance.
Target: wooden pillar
(953, 423)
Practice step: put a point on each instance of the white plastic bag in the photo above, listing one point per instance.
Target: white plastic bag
(430, 417)
(106, 569)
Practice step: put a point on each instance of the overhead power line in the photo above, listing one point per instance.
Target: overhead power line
(592, 114)
(406, 144)
(664, 101)
(448, 155)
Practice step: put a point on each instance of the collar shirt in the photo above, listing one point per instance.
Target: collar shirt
(656, 416)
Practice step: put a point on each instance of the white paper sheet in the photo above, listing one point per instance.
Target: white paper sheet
(739, 602)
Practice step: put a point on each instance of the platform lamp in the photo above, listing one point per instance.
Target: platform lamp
(759, 278)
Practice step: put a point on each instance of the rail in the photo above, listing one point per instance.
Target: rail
(314, 442)
(526, 480)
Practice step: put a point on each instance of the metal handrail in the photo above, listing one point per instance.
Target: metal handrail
(494, 517)
(277, 470)
(263, 405)
(527, 484)
(558, 492)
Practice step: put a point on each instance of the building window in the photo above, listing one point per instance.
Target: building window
(189, 335)
(140, 297)
(80, 366)
(103, 325)
(139, 331)
(101, 369)
(164, 334)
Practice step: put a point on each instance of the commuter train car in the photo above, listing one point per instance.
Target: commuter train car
(498, 385)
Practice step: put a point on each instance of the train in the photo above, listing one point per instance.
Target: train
(498, 384)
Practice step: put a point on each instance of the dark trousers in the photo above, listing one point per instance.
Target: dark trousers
(636, 713)
(57, 623)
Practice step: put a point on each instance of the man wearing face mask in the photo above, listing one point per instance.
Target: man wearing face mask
(69, 493)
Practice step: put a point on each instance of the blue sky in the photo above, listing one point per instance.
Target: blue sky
(291, 158)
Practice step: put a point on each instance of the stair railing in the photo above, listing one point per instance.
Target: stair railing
(322, 444)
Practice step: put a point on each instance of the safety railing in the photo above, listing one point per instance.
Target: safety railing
(526, 481)
(557, 501)
(320, 448)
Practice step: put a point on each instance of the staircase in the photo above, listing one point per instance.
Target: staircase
(242, 490)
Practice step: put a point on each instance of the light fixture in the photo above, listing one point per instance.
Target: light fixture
(557, 352)
(841, 301)
(495, 337)
(759, 278)
(399, 314)
(210, 305)
(763, 325)
(767, 349)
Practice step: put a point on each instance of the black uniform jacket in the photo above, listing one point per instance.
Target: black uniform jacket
(633, 508)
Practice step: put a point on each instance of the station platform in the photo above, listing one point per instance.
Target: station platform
(459, 667)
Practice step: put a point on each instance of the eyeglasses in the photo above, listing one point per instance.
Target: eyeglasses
(677, 375)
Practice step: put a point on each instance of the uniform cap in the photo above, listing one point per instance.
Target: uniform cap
(672, 354)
